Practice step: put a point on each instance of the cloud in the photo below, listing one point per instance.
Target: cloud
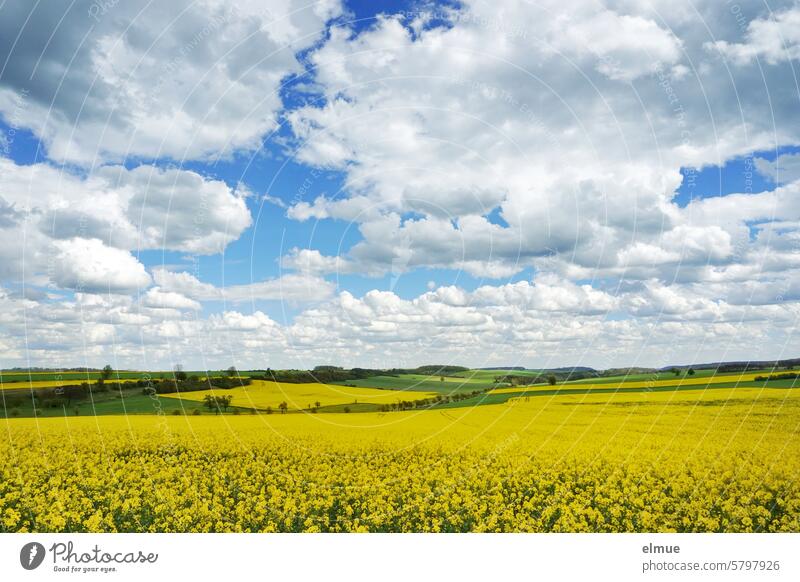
(157, 298)
(784, 169)
(512, 150)
(235, 321)
(292, 288)
(774, 39)
(128, 210)
(184, 80)
(546, 322)
(624, 47)
(476, 146)
(311, 261)
(142, 208)
(184, 283)
(89, 265)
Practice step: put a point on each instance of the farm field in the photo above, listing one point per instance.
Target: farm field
(490, 375)
(421, 383)
(262, 394)
(10, 377)
(545, 391)
(25, 385)
(726, 459)
(677, 382)
(666, 376)
(466, 379)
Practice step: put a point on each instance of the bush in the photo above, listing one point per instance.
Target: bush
(197, 412)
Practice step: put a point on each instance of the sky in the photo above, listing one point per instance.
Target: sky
(289, 183)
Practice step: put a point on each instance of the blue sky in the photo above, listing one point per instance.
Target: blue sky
(271, 170)
(448, 180)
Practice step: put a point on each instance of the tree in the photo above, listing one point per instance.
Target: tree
(269, 410)
(551, 380)
(73, 392)
(217, 403)
(210, 402)
(107, 371)
(347, 409)
(676, 371)
(441, 379)
(691, 372)
(283, 407)
(232, 372)
(317, 404)
(180, 374)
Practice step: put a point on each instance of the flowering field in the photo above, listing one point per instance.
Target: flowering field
(262, 394)
(721, 460)
(19, 384)
(669, 382)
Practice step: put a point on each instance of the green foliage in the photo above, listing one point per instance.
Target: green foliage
(217, 404)
(107, 372)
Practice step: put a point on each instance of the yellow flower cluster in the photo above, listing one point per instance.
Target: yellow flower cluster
(723, 460)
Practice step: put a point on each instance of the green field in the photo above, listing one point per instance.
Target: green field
(130, 402)
(490, 375)
(664, 375)
(569, 390)
(420, 383)
(450, 392)
(14, 376)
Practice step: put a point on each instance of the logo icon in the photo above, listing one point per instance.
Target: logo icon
(31, 555)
